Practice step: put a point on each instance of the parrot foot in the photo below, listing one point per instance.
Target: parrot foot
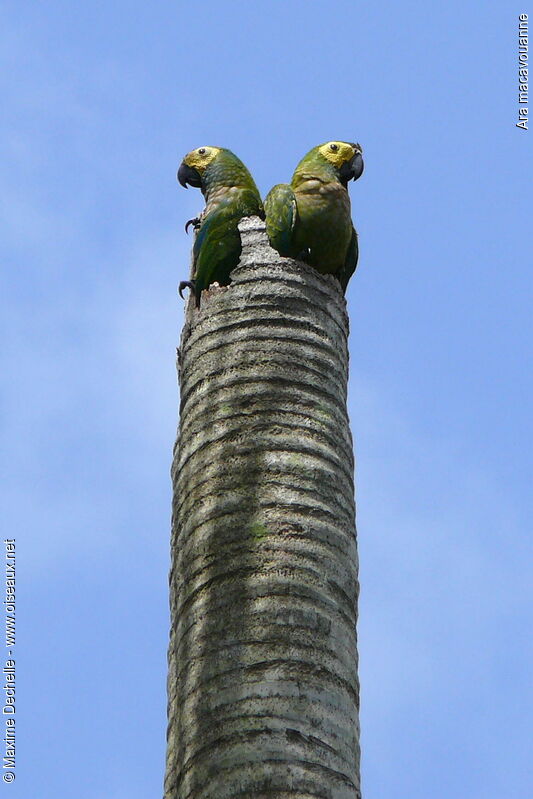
(194, 222)
(185, 284)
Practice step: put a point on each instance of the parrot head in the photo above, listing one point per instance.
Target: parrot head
(192, 168)
(346, 158)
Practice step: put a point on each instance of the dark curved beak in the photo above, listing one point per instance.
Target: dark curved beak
(186, 174)
(358, 166)
(353, 169)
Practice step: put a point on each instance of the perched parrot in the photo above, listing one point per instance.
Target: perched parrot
(230, 194)
(310, 218)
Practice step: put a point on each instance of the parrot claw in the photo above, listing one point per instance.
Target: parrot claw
(194, 222)
(185, 284)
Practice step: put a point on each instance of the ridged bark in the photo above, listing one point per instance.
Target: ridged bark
(262, 686)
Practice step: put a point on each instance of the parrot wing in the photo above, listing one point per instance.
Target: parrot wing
(350, 263)
(281, 216)
(249, 203)
(217, 248)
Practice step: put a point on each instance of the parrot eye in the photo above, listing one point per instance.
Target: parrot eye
(201, 151)
(334, 147)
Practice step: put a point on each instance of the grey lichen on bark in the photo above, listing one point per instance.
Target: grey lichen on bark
(263, 692)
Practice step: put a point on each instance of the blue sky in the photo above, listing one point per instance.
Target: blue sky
(101, 101)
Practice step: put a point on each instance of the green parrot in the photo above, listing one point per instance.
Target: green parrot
(230, 194)
(310, 218)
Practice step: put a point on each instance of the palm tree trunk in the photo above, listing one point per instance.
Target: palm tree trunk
(262, 686)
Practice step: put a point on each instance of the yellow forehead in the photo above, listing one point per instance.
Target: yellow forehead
(201, 157)
(338, 152)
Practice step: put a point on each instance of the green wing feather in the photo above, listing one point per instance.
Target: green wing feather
(248, 203)
(281, 216)
(350, 263)
(217, 249)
